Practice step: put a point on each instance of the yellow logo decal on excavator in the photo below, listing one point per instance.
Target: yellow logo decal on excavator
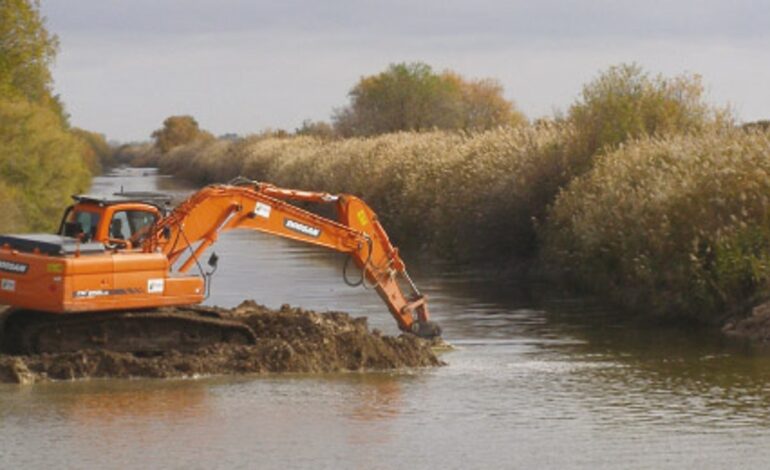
(55, 268)
(362, 219)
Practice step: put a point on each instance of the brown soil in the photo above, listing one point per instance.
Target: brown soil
(289, 340)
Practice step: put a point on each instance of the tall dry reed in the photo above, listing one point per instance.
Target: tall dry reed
(678, 225)
(472, 196)
(674, 225)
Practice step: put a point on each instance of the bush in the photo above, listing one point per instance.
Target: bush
(136, 154)
(41, 164)
(679, 225)
(13, 220)
(179, 130)
(624, 103)
(411, 97)
(97, 153)
(202, 161)
(26, 51)
(312, 128)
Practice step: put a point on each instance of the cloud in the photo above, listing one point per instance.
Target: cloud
(513, 19)
(240, 66)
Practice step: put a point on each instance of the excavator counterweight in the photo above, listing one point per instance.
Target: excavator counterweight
(130, 252)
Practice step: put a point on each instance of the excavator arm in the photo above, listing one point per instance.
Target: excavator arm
(193, 226)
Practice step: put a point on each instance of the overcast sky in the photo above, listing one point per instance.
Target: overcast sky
(246, 65)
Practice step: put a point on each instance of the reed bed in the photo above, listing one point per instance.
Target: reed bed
(674, 225)
(469, 196)
(677, 225)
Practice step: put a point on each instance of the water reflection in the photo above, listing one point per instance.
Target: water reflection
(106, 401)
(140, 179)
(377, 397)
(581, 359)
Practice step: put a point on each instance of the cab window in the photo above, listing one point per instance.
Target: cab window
(83, 224)
(132, 225)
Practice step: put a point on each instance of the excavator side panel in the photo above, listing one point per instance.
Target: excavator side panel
(89, 283)
(31, 280)
(127, 280)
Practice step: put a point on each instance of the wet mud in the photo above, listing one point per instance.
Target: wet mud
(755, 329)
(288, 340)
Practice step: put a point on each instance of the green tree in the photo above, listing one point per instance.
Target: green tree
(97, 153)
(761, 125)
(41, 163)
(137, 154)
(320, 129)
(481, 104)
(178, 130)
(625, 102)
(27, 50)
(412, 97)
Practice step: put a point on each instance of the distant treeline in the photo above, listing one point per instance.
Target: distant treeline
(404, 97)
(43, 160)
(642, 191)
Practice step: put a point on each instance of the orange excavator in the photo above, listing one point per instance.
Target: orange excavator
(119, 264)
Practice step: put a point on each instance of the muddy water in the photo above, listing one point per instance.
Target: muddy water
(538, 381)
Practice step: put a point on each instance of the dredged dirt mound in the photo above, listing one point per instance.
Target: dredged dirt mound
(288, 340)
(755, 328)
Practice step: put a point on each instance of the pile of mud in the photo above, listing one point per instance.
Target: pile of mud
(755, 328)
(288, 340)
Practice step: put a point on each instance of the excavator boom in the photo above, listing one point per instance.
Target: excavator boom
(195, 224)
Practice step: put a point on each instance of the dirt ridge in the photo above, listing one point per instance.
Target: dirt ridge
(288, 340)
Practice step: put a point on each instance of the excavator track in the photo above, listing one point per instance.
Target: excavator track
(143, 332)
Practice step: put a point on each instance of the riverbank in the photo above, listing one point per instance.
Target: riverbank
(288, 340)
(754, 329)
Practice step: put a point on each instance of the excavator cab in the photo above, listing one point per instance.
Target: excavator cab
(118, 221)
(82, 225)
(95, 262)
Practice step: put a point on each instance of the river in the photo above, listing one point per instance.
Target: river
(538, 380)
